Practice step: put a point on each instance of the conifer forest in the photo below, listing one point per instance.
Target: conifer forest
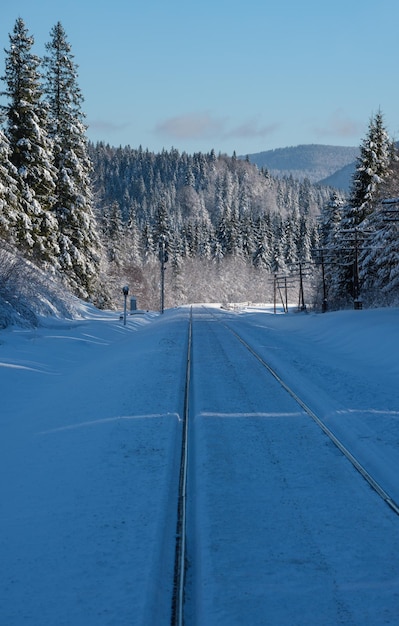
(93, 217)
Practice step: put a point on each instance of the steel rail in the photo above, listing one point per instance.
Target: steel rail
(374, 484)
(177, 615)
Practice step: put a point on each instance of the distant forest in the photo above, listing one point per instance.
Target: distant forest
(228, 226)
(93, 218)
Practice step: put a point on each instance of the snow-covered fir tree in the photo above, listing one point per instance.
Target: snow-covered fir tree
(79, 243)
(262, 239)
(308, 238)
(373, 168)
(379, 260)
(133, 247)
(112, 231)
(330, 253)
(30, 149)
(162, 228)
(8, 192)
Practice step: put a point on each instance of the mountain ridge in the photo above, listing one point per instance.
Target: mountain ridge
(320, 163)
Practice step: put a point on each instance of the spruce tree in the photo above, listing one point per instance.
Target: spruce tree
(373, 167)
(379, 261)
(30, 149)
(307, 237)
(147, 243)
(330, 243)
(113, 232)
(79, 242)
(133, 248)
(161, 231)
(262, 242)
(8, 192)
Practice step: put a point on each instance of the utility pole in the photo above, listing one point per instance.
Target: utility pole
(281, 283)
(303, 267)
(355, 238)
(163, 257)
(301, 304)
(356, 288)
(323, 275)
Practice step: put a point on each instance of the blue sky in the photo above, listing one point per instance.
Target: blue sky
(222, 74)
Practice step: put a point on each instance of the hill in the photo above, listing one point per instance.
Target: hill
(341, 179)
(315, 162)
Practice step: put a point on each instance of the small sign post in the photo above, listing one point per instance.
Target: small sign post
(125, 290)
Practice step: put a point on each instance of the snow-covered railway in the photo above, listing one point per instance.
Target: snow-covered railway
(257, 502)
(280, 528)
(373, 482)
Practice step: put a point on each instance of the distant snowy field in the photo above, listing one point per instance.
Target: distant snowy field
(89, 425)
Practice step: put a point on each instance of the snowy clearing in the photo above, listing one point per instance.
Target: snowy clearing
(90, 441)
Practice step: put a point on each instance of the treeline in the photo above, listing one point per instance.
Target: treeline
(231, 228)
(218, 211)
(96, 215)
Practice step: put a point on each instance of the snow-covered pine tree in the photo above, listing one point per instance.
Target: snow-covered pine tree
(278, 263)
(8, 192)
(224, 232)
(113, 232)
(373, 167)
(330, 221)
(307, 238)
(80, 248)
(330, 242)
(133, 247)
(291, 238)
(263, 242)
(30, 149)
(147, 243)
(379, 261)
(161, 231)
(248, 235)
(204, 238)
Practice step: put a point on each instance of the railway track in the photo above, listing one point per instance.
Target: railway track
(181, 531)
(184, 534)
(374, 484)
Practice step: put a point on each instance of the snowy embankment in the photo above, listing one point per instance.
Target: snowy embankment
(89, 443)
(88, 435)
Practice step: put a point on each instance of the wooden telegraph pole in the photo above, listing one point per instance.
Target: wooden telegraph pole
(163, 257)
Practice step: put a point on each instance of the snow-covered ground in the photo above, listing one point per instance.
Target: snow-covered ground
(89, 439)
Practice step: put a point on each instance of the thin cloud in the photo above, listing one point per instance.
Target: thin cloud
(191, 126)
(339, 125)
(106, 126)
(252, 129)
(204, 125)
